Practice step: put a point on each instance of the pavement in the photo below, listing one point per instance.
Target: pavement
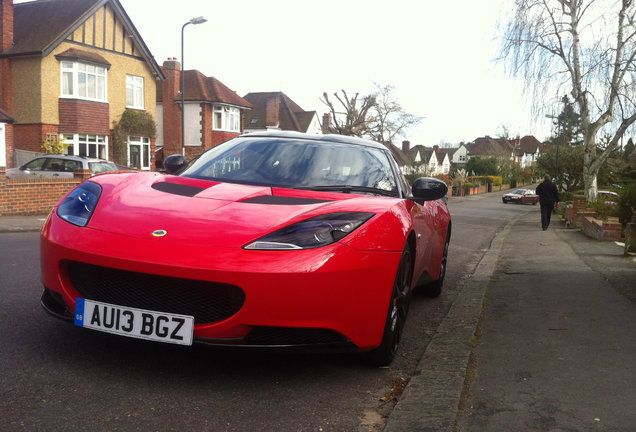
(540, 338)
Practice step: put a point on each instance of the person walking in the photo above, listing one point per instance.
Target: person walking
(548, 197)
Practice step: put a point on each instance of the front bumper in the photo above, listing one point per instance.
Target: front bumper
(325, 295)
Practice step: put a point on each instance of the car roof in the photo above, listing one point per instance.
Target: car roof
(70, 157)
(342, 139)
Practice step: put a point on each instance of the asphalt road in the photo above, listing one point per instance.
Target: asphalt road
(55, 376)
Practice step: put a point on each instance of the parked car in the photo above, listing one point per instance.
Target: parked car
(521, 196)
(609, 198)
(274, 239)
(59, 166)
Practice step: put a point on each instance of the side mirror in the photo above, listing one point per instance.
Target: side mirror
(429, 189)
(174, 163)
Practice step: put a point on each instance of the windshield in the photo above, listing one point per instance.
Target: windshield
(102, 167)
(297, 163)
(519, 192)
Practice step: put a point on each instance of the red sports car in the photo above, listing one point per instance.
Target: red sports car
(521, 196)
(268, 240)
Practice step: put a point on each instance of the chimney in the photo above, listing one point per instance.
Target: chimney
(406, 145)
(435, 148)
(6, 24)
(326, 121)
(171, 64)
(272, 110)
(168, 94)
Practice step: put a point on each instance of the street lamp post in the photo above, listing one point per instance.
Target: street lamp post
(197, 20)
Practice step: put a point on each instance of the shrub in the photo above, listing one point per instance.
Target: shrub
(627, 204)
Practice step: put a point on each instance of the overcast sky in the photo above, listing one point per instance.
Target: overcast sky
(437, 54)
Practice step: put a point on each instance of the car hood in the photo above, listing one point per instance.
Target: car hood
(191, 211)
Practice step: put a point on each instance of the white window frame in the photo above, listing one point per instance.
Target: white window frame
(134, 92)
(226, 118)
(144, 152)
(89, 145)
(83, 81)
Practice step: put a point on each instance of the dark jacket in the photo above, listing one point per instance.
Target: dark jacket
(548, 193)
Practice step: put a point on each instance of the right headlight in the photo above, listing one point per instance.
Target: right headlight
(78, 206)
(312, 233)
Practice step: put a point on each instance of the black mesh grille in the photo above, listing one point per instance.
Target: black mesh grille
(292, 336)
(206, 301)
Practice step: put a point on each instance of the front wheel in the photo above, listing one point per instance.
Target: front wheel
(396, 315)
(434, 289)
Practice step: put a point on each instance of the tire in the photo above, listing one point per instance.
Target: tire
(396, 315)
(434, 289)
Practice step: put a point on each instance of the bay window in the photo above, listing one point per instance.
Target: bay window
(226, 118)
(95, 146)
(84, 81)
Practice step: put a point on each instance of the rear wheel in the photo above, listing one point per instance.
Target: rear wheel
(396, 315)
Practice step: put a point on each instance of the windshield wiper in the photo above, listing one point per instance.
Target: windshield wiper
(349, 189)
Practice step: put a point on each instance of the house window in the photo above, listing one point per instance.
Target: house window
(85, 81)
(134, 92)
(139, 152)
(95, 146)
(462, 158)
(226, 118)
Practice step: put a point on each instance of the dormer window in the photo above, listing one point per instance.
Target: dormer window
(226, 118)
(83, 81)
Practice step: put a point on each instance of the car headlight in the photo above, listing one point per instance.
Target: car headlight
(312, 233)
(77, 208)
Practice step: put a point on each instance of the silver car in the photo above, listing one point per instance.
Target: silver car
(59, 166)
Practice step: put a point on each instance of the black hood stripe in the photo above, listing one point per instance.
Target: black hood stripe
(177, 189)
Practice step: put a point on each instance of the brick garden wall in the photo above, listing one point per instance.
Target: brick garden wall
(34, 196)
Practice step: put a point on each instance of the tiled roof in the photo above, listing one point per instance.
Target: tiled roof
(76, 54)
(290, 115)
(40, 26)
(209, 89)
(487, 146)
(526, 145)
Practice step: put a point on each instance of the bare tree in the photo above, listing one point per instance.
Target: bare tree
(377, 116)
(352, 116)
(584, 47)
(390, 118)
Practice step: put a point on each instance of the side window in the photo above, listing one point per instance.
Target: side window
(55, 165)
(71, 165)
(35, 164)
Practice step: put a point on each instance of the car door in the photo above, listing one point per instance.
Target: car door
(54, 168)
(32, 169)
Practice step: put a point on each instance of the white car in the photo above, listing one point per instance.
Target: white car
(59, 166)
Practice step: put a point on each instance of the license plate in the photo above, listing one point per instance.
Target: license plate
(132, 322)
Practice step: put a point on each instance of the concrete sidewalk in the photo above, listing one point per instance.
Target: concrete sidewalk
(549, 318)
(21, 223)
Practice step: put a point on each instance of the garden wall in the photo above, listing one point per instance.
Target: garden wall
(34, 196)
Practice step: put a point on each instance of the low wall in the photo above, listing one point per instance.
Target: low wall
(34, 196)
(602, 230)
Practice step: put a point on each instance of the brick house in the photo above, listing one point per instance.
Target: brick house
(70, 69)
(276, 111)
(213, 113)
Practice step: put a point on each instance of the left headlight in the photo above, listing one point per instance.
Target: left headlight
(77, 208)
(312, 233)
